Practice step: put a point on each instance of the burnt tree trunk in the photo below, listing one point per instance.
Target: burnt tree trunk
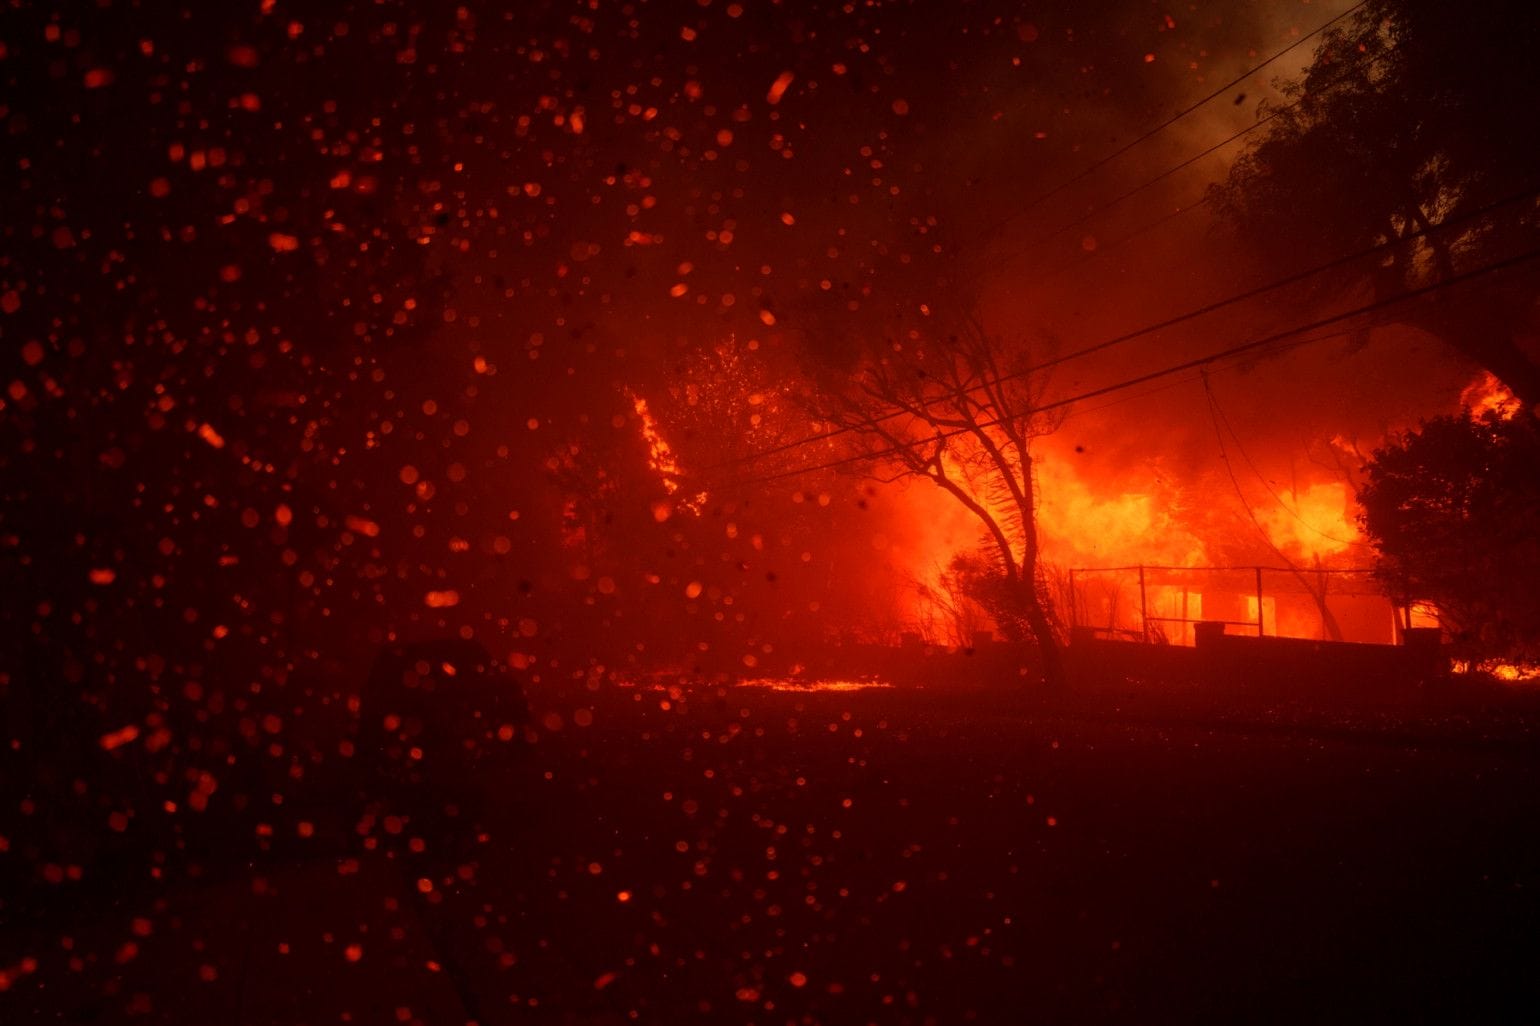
(1054, 673)
(1038, 605)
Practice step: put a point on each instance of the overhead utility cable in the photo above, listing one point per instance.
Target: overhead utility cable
(1252, 346)
(1179, 115)
(1149, 329)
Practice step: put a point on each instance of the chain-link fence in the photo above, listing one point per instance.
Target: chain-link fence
(1165, 604)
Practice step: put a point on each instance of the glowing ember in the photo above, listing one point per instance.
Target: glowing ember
(778, 88)
(119, 738)
(790, 684)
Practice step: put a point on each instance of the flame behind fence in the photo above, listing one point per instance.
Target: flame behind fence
(1165, 604)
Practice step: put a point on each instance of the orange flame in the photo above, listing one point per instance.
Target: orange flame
(1487, 395)
(1083, 523)
(661, 458)
(1313, 524)
(1080, 527)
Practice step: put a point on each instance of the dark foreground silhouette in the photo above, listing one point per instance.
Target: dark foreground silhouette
(674, 853)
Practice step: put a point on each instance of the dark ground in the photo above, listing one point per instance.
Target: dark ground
(742, 855)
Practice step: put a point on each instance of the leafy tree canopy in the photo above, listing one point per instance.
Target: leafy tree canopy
(1401, 134)
(1454, 508)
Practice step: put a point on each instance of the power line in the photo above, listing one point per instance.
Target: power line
(1097, 209)
(1233, 351)
(1179, 115)
(1196, 377)
(1136, 189)
(1217, 415)
(1135, 397)
(1347, 73)
(1329, 625)
(1103, 250)
(1167, 173)
(1122, 339)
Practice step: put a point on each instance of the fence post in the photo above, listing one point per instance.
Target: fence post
(1259, 600)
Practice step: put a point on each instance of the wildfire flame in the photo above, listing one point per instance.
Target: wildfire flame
(790, 684)
(1486, 395)
(1313, 523)
(1081, 525)
(1086, 523)
(661, 458)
